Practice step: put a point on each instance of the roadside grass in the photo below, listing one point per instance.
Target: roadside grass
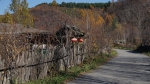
(147, 53)
(143, 52)
(89, 64)
(124, 48)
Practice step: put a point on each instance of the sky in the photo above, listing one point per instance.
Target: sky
(4, 4)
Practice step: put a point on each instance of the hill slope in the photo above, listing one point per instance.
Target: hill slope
(49, 18)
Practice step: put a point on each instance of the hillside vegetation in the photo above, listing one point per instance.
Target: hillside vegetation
(134, 16)
(49, 18)
(99, 26)
(123, 23)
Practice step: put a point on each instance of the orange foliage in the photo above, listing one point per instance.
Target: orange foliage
(83, 13)
(100, 21)
(91, 7)
(109, 19)
(91, 18)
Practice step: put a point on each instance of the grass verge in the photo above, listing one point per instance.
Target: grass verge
(124, 48)
(89, 64)
(147, 53)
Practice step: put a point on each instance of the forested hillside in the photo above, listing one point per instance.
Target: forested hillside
(50, 38)
(134, 16)
(78, 5)
(49, 18)
(125, 22)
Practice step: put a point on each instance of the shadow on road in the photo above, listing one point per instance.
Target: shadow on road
(133, 51)
(129, 67)
(84, 79)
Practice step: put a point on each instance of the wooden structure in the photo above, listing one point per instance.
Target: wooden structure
(19, 63)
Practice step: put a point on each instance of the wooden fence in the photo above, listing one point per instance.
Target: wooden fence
(40, 63)
(28, 54)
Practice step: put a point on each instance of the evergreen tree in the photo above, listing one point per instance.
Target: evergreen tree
(83, 5)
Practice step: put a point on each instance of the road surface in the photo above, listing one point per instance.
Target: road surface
(127, 68)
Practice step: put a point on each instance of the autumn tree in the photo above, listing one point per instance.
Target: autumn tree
(91, 7)
(1, 19)
(83, 17)
(7, 18)
(54, 3)
(109, 19)
(100, 21)
(83, 14)
(135, 15)
(91, 17)
(21, 12)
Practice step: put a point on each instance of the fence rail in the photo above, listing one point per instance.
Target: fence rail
(32, 65)
(41, 63)
(27, 56)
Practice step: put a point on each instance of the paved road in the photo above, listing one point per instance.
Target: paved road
(128, 68)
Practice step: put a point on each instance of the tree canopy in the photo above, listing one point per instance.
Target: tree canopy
(78, 5)
(21, 12)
